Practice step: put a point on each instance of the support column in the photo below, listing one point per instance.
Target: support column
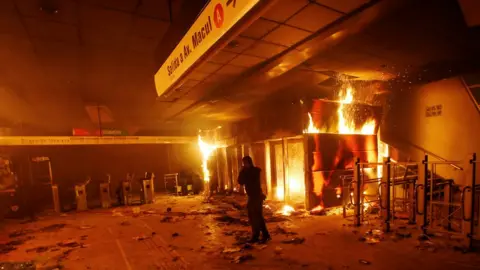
(472, 210)
(307, 175)
(468, 203)
(387, 198)
(411, 202)
(286, 180)
(268, 171)
(357, 189)
(421, 192)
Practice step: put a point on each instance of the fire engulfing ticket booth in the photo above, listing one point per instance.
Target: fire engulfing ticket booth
(306, 171)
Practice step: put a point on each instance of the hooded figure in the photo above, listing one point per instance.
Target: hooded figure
(250, 178)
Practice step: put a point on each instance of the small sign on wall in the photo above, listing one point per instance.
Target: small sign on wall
(432, 111)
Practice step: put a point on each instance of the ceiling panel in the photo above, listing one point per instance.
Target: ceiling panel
(239, 44)
(11, 24)
(246, 61)
(286, 35)
(121, 5)
(265, 49)
(283, 10)
(209, 67)
(158, 9)
(7, 6)
(343, 5)
(142, 44)
(197, 75)
(217, 78)
(190, 83)
(52, 30)
(66, 11)
(105, 27)
(314, 17)
(147, 27)
(222, 57)
(259, 28)
(231, 70)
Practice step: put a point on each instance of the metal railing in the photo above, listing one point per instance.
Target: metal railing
(422, 195)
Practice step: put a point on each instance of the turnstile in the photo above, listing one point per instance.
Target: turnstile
(148, 192)
(81, 197)
(56, 198)
(127, 192)
(105, 195)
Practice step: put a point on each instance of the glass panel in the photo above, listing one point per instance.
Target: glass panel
(279, 191)
(296, 176)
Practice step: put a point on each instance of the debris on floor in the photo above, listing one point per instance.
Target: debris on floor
(41, 249)
(372, 237)
(426, 245)
(175, 234)
(231, 220)
(18, 265)
(53, 227)
(12, 245)
(276, 219)
(166, 219)
(6, 248)
(125, 223)
(280, 230)
(364, 262)
(295, 241)
(243, 258)
(85, 227)
(231, 250)
(141, 237)
(260, 247)
(278, 250)
(403, 233)
(117, 214)
(69, 243)
(19, 233)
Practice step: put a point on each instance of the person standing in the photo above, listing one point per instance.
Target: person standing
(249, 177)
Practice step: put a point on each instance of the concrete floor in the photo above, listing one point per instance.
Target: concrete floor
(108, 239)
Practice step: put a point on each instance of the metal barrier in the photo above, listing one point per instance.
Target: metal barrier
(416, 191)
(393, 191)
(354, 192)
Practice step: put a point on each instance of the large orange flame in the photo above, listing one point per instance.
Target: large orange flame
(346, 123)
(206, 150)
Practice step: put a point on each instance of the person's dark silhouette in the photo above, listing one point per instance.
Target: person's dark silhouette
(250, 178)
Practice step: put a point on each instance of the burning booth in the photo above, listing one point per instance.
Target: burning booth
(338, 133)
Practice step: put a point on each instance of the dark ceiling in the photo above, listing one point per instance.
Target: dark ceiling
(62, 58)
(61, 65)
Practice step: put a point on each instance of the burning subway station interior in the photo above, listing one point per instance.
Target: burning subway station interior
(124, 126)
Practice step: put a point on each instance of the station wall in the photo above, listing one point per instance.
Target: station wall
(439, 117)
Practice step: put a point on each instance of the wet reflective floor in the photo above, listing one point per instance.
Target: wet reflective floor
(186, 233)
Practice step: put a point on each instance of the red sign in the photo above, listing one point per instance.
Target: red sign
(80, 132)
(218, 15)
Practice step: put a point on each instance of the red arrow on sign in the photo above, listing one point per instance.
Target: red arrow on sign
(230, 1)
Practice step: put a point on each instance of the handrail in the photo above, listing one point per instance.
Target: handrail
(428, 153)
(470, 94)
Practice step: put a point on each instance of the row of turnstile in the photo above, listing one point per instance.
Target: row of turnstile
(125, 194)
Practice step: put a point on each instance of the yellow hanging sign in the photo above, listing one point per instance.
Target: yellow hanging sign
(215, 20)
